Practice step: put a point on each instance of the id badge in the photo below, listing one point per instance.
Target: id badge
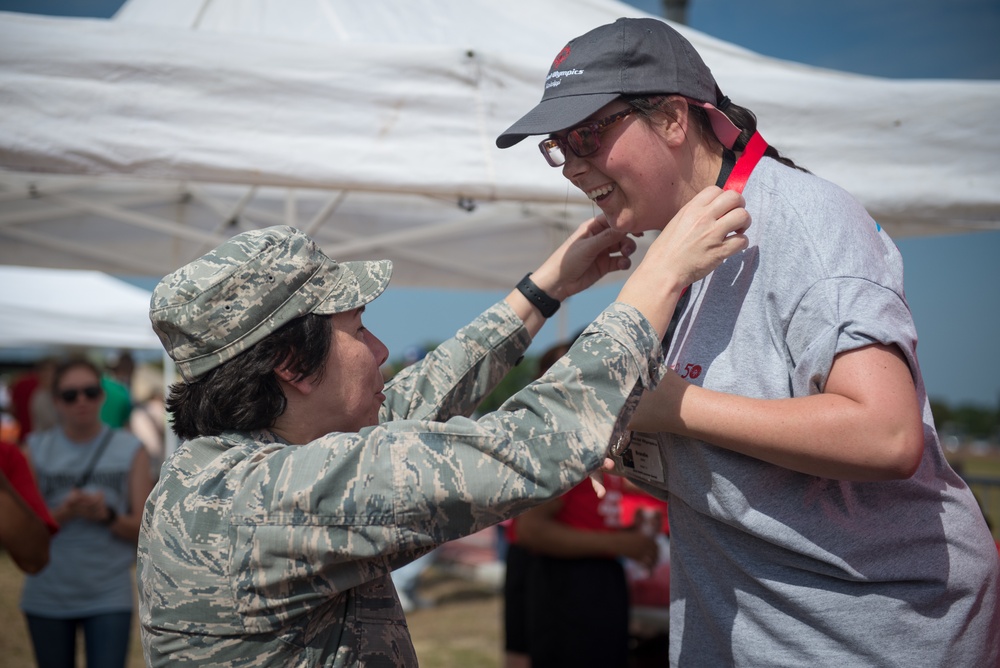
(641, 459)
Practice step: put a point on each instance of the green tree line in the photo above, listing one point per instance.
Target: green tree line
(967, 421)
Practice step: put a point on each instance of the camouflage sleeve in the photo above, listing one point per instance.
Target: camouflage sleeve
(453, 478)
(456, 376)
(253, 536)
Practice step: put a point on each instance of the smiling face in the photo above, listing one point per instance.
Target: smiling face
(645, 170)
(349, 392)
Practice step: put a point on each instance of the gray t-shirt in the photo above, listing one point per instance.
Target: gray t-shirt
(90, 568)
(771, 567)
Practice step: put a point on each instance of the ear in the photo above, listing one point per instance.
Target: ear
(290, 378)
(676, 120)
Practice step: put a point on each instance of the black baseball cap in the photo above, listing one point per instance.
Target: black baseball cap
(627, 57)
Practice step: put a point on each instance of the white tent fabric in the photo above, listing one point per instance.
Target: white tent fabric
(136, 144)
(52, 307)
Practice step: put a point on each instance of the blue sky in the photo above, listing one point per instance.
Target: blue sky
(952, 282)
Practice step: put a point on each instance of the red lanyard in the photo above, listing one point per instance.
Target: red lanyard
(751, 156)
(737, 180)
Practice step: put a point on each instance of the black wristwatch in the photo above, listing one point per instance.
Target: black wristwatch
(110, 519)
(534, 294)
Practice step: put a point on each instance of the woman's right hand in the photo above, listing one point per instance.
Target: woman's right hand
(590, 253)
(706, 231)
(586, 256)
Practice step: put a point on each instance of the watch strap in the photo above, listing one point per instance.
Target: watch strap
(534, 294)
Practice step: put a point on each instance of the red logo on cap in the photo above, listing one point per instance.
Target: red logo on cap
(561, 58)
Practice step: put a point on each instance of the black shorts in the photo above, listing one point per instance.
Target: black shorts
(515, 603)
(575, 613)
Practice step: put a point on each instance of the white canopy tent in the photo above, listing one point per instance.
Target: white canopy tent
(136, 144)
(59, 309)
(53, 307)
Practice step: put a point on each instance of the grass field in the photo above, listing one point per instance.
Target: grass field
(461, 631)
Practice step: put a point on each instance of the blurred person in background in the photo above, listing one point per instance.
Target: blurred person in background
(41, 404)
(95, 480)
(117, 406)
(20, 390)
(26, 526)
(149, 414)
(567, 592)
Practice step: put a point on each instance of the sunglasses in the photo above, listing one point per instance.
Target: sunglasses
(69, 395)
(583, 140)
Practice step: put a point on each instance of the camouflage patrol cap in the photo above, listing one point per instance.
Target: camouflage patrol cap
(209, 311)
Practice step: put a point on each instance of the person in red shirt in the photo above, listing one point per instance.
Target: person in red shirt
(21, 390)
(566, 595)
(577, 592)
(25, 523)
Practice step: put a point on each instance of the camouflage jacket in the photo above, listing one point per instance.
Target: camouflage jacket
(257, 553)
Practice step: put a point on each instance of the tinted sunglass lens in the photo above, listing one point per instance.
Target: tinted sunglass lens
(69, 396)
(553, 152)
(583, 141)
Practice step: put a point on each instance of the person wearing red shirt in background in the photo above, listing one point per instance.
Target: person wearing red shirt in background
(566, 595)
(25, 523)
(21, 389)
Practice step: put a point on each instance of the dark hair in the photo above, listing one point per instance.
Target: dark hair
(64, 365)
(742, 117)
(243, 394)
